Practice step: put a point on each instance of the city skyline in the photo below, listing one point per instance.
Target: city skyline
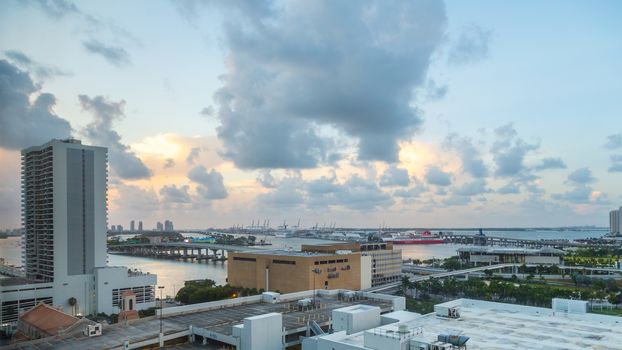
(430, 114)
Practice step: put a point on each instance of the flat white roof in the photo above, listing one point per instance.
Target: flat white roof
(504, 326)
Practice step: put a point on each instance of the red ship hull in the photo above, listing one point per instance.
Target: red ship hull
(418, 241)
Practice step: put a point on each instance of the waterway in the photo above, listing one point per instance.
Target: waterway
(172, 273)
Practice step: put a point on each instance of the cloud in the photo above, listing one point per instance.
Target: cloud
(360, 194)
(123, 160)
(579, 194)
(581, 176)
(395, 176)
(475, 187)
(616, 163)
(174, 194)
(42, 72)
(550, 163)
(24, 123)
(470, 156)
(471, 46)
(193, 155)
(436, 176)
(55, 8)
(509, 188)
(169, 163)
(211, 183)
(117, 56)
(614, 141)
(509, 152)
(287, 195)
(133, 200)
(349, 67)
(266, 179)
(581, 191)
(456, 200)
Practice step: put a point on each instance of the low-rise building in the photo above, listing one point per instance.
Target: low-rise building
(386, 262)
(491, 255)
(476, 324)
(290, 271)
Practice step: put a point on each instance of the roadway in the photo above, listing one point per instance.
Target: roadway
(482, 269)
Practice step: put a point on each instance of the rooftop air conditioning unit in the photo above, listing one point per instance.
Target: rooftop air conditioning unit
(93, 330)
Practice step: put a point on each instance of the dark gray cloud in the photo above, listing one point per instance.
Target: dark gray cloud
(509, 151)
(614, 141)
(123, 161)
(349, 66)
(581, 176)
(24, 123)
(172, 194)
(550, 163)
(616, 163)
(395, 176)
(117, 56)
(436, 176)
(471, 46)
(211, 185)
(193, 155)
(41, 71)
(169, 163)
(472, 162)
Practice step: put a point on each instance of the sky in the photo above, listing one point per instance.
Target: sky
(353, 113)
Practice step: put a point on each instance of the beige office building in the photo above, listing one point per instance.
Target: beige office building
(289, 271)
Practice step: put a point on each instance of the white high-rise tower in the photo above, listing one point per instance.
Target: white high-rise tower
(64, 209)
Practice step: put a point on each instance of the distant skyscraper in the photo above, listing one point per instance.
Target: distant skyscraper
(64, 209)
(119, 228)
(615, 222)
(132, 228)
(159, 226)
(140, 226)
(168, 225)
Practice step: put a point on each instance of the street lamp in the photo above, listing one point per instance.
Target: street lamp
(315, 271)
(160, 288)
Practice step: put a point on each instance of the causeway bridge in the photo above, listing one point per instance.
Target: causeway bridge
(179, 250)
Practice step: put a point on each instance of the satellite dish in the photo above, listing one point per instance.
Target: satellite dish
(72, 301)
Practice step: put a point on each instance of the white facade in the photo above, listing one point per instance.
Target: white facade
(356, 318)
(263, 332)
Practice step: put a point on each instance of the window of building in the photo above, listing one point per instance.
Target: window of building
(240, 258)
(287, 262)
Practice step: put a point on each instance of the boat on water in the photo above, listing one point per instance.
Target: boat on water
(426, 237)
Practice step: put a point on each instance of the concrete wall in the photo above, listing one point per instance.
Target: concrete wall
(546, 260)
(366, 272)
(263, 332)
(109, 278)
(355, 318)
